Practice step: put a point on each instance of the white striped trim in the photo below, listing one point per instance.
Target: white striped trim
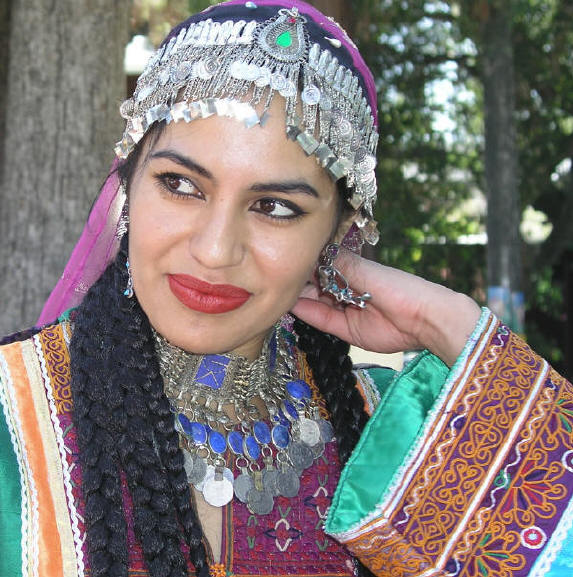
(66, 470)
(29, 495)
(369, 388)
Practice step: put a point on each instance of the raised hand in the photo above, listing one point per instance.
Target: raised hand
(405, 312)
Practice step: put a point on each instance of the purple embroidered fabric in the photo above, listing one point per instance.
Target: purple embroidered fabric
(288, 541)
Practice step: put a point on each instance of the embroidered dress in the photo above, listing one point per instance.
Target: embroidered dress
(467, 471)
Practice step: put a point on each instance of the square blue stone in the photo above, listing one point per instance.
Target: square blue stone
(211, 371)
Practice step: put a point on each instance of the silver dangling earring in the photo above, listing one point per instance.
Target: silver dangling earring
(123, 223)
(128, 292)
(332, 281)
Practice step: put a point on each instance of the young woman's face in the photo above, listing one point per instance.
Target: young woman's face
(226, 226)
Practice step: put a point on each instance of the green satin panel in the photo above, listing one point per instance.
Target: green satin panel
(386, 440)
(10, 506)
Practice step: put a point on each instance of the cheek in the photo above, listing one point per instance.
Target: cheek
(150, 227)
(290, 264)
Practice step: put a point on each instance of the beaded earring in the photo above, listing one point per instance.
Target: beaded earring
(128, 292)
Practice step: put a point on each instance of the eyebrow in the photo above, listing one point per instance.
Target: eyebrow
(286, 186)
(182, 161)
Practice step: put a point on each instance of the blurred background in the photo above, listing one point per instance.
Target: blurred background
(474, 161)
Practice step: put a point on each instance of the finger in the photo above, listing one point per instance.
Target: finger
(322, 316)
(354, 269)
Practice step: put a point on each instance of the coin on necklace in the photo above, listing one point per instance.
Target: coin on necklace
(317, 450)
(288, 482)
(260, 502)
(242, 485)
(218, 491)
(270, 481)
(326, 431)
(187, 463)
(300, 456)
(198, 472)
(218, 472)
(308, 431)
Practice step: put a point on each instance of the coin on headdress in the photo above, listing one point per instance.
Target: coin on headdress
(311, 95)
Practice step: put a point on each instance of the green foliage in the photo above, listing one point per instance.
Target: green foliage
(426, 57)
(543, 40)
(156, 17)
(430, 131)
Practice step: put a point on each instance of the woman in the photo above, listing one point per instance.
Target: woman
(180, 420)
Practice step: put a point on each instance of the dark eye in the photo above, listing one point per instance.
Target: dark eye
(179, 185)
(277, 208)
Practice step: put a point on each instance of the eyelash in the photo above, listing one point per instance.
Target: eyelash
(297, 212)
(163, 181)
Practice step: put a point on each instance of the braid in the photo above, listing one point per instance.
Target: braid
(123, 419)
(331, 367)
(95, 426)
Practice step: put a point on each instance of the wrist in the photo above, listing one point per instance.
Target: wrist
(449, 325)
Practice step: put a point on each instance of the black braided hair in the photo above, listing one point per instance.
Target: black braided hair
(331, 367)
(124, 424)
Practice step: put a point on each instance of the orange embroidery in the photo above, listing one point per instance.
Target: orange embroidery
(57, 359)
(494, 473)
(217, 570)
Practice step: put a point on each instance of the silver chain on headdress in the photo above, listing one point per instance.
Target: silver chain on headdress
(234, 68)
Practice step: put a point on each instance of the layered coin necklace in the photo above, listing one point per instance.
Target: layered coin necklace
(253, 414)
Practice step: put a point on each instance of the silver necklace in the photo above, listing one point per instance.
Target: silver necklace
(276, 433)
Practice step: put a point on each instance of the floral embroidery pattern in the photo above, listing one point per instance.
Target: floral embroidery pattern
(491, 481)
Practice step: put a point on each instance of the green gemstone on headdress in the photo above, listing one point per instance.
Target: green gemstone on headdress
(284, 40)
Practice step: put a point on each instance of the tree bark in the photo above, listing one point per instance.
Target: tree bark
(503, 212)
(5, 11)
(65, 83)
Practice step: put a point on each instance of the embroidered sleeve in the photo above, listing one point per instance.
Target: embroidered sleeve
(10, 492)
(483, 483)
(35, 398)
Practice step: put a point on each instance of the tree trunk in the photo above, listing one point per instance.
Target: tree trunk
(65, 82)
(503, 213)
(5, 11)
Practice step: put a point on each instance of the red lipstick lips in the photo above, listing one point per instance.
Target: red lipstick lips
(206, 297)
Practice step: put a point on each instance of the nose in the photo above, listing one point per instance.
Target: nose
(217, 238)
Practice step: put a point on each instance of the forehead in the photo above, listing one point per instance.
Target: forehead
(226, 144)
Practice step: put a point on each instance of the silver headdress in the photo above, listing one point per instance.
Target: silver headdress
(234, 67)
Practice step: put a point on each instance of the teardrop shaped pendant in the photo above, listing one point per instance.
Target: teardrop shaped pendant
(284, 37)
